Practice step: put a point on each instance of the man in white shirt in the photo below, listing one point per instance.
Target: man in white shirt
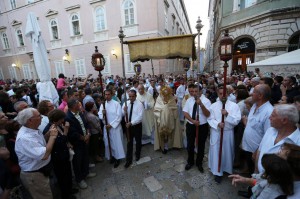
(284, 119)
(134, 111)
(190, 112)
(152, 89)
(35, 164)
(257, 123)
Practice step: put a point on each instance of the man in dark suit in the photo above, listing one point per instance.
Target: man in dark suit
(79, 137)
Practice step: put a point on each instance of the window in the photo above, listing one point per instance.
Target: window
(26, 71)
(166, 17)
(30, 1)
(1, 74)
(107, 64)
(244, 4)
(20, 38)
(100, 19)
(54, 29)
(128, 64)
(12, 72)
(13, 4)
(80, 67)
(128, 8)
(59, 68)
(5, 41)
(75, 24)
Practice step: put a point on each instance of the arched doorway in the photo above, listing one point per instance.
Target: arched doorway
(294, 42)
(243, 54)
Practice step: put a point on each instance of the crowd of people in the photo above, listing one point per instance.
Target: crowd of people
(41, 141)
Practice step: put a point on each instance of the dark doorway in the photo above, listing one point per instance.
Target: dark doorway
(243, 54)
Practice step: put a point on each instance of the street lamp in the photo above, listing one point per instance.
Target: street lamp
(225, 51)
(199, 26)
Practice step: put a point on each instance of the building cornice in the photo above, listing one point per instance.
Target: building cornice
(51, 12)
(72, 7)
(95, 1)
(265, 14)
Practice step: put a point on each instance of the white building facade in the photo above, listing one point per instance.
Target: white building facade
(261, 29)
(76, 27)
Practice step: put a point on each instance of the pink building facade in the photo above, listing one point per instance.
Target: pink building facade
(79, 26)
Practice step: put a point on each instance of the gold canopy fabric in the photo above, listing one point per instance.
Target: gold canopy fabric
(182, 46)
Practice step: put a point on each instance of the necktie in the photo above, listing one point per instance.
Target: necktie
(130, 114)
(194, 111)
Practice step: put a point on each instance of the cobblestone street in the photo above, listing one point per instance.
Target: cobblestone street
(156, 176)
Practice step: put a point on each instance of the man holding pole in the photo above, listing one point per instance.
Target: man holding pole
(113, 113)
(189, 112)
(232, 116)
(134, 124)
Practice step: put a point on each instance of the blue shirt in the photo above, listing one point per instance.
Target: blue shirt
(257, 125)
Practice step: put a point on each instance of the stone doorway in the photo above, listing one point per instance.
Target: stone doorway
(243, 54)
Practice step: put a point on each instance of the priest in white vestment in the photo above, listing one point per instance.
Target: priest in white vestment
(114, 117)
(180, 92)
(232, 118)
(168, 132)
(148, 116)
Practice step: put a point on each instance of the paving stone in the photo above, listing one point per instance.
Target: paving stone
(125, 190)
(113, 191)
(179, 160)
(166, 165)
(152, 184)
(196, 182)
(143, 160)
(179, 168)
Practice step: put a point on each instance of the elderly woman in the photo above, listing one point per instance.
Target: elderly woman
(96, 145)
(60, 153)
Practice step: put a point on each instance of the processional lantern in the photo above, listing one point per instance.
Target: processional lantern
(98, 60)
(137, 69)
(186, 65)
(225, 48)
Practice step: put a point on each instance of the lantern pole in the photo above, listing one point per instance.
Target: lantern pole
(152, 69)
(225, 50)
(122, 36)
(98, 63)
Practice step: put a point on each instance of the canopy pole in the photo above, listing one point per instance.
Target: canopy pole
(152, 69)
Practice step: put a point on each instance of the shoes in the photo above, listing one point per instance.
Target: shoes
(82, 184)
(117, 163)
(112, 160)
(99, 159)
(188, 167)
(128, 163)
(74, 191)
(218, 179)
(200, 168)
(91, 175)
(92, 165)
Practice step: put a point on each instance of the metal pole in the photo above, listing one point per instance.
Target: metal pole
(122, 36)
(223, 117)
(152, 69)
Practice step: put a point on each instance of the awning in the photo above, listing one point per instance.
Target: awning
(182, 46)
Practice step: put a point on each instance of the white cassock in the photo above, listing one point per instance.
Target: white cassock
(180, 92)
(114, 117)
(184, 139)
(233, 118)
(148, 117)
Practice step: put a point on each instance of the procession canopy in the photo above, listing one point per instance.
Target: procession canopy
(170, 47)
